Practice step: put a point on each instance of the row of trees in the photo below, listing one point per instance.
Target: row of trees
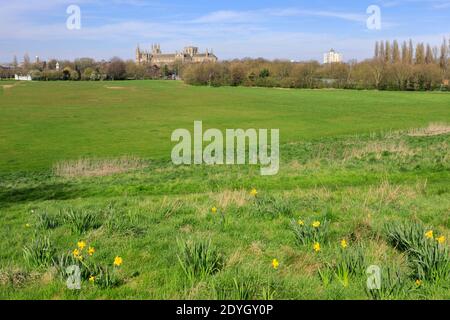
(393, 67)
(85, 69)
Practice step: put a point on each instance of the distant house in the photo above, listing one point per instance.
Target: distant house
(23, 78)
(4, 68)
(5, 72)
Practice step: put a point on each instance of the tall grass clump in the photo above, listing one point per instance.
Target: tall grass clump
(47, 221)
(392, 285)
(430, 262)
(199, 259)
(39, 253)
(81, 221)
(428, 256)
(243, 287)
(124, 223)
(404, 236)
(309, 231)
(351, 262)
(273, 206)
(91, 270)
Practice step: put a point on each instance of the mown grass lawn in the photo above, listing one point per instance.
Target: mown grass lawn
(41, 123)
(349, 161)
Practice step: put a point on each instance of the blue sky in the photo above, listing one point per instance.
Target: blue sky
(285, 29)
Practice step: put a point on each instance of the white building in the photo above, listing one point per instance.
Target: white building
(23, 78)
(332, 57)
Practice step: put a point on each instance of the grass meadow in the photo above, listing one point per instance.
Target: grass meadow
(86, 179)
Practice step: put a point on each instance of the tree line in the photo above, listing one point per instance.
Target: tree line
(394, 66)
(84, 69)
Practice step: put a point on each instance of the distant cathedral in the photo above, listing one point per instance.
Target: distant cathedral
(188, 55)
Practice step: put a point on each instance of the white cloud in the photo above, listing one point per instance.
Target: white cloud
(230, 33)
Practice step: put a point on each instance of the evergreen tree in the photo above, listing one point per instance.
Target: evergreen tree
(382, 52)
(411, 51)
(377, 50)
(405, 52)
(429, 57)
(396, 52)
(420, 53)
(443, 58)
(388, 52)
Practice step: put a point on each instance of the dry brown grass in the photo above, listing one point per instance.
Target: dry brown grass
(235, 259)
(186, 228)
(97, 167)
(300, 262)
(387, 194)
(16, 277)
(433, 129)
(377, 148)
(256, 248)
(230, 197)
(116, 88)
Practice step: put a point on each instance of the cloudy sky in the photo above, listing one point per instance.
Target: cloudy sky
(284, 29)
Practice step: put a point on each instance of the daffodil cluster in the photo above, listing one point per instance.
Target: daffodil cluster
(310, 232)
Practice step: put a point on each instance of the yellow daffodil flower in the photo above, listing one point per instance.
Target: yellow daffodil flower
(301, 222)
(118, 261)
(316, 224)
(316, 247)
(81, 245)
(91, 251)
(275, 264)
(441, 240)
(76, 253)
(429, 234)
(254, 192)
(344, 244)
(214, 210)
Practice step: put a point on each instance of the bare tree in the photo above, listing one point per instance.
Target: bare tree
(116, 69)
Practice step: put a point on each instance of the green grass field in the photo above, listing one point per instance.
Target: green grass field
(90, 162)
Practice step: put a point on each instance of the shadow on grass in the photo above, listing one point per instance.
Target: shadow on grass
(59, 191)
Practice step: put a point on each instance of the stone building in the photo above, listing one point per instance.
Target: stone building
(188, 55)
